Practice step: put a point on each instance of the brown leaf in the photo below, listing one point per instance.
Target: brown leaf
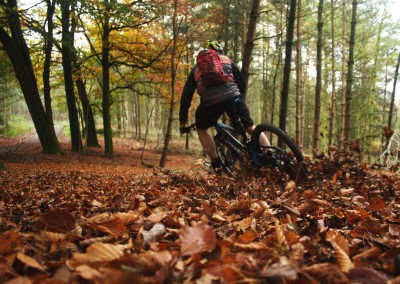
(394, 230)
(342, 258)
(363, 258)
(114, 227)
(280, 235)
(96, 255)
(280, 273)
(197, 239)
(10, 242)
(57, 220)
(327, 273)
(29, 261)
(367, 276)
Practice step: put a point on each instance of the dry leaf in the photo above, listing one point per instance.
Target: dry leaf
(88, 272)
(114, 227)
(279, 235)
(57, 220)
(29, 261)
(342, 258)
(96, 255)
(197, 239)
(10, 242)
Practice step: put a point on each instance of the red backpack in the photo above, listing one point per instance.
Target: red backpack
(210, 67)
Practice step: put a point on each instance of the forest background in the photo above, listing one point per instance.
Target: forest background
(324, 71)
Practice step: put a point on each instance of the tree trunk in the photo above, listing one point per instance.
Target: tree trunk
(66, 51)
(299, 93)
(18, 52)
(343, 76)
(317, 106)
(173, 78)
(106, 103)
(287, 66)
(91, 134)
(396, 74)
(349, 77)
(249, 44)
(48, 47)
(333, 95)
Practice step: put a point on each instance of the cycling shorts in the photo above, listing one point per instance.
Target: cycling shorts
(207, 116)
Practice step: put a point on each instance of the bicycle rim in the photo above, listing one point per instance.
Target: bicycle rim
(286, 157)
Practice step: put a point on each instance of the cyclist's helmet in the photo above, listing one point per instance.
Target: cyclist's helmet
(214, 45)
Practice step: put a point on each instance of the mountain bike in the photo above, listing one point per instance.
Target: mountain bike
(238, 152)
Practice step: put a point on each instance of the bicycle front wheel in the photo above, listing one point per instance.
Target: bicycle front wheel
(281, 153)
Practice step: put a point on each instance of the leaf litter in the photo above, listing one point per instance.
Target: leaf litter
(65, 223)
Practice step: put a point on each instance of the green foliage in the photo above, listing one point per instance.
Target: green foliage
(18, 125)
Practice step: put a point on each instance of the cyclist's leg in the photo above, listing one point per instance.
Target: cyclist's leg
(240, 109)
(205, 118)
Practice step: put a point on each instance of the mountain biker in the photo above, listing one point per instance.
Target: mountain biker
(214, 101)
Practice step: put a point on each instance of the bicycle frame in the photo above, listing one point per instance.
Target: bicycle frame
(225, 135)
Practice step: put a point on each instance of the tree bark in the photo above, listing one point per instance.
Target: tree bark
(91, 134)
(48, 47)
(317, 106)
(18, 52)
(249, 44)
(349, 77)
(343, 76)
(396, 74)
(106, 103)
(287, 66)
(299, 92)
(333, 61)
(66, 51)
(173, 79)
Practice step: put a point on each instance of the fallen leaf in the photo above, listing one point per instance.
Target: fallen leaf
(197, 239)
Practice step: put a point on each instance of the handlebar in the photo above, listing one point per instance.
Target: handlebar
(187, 129)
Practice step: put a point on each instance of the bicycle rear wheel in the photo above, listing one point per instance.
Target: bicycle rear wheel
(285, 157)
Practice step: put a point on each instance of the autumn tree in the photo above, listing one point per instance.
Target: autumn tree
(111, 19)
(287, 65)
(349, 77)
(13, 41)
(66, 51)
(317, 106)
(396, 74)
(249, 43)
(173, 67)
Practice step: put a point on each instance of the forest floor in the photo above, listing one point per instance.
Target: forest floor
(83, 218)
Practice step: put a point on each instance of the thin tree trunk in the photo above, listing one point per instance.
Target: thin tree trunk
(91, 134)
(106, 103)
(48, 47)
(173, 78)
(317, 106)
(333, 95)
(396, 74)
(349, 78)
(287, 66)
(249, 44)
(343, 78)
(299, 95)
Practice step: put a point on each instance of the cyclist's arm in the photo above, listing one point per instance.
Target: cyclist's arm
(239, 79)
(187, 96)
